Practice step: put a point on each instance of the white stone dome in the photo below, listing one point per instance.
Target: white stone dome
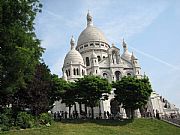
(73, 57)
(91, 33)
(126, 55)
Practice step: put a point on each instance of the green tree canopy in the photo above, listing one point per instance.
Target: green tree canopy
(41, 92)
(91, 89)
(58, 88)
(37, 93)
(20, 50)
(69, 96)
(132, 93)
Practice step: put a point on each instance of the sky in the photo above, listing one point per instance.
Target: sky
(151, 29)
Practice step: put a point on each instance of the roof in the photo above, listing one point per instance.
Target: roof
(73, 57)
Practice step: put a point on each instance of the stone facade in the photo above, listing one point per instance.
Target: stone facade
(93, 55)
(159, 104)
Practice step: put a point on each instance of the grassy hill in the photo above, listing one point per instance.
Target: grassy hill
(103, 127)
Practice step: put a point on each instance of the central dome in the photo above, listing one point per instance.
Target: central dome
(91, 33)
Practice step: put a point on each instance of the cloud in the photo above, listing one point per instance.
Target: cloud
(156, 59)
(133, 22)
(71, 22)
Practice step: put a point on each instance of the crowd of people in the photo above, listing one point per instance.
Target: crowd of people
(105, 115)
(65, 115)
(59, 115)
(149, 114)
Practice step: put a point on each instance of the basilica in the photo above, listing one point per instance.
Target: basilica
(94, 55)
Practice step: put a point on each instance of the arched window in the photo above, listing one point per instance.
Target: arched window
(105, 75)
(87, 61)
(118, 75)
(96, 71)
(99, 58)
(77, 71)
(91, 44)
(74, 71)
(82, 72)
(128, 74)
(69, 72)
(103, 57)
(66, 73)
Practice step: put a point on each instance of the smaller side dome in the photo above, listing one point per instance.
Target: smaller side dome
(133, 57)
(126, 55)
(73, 56)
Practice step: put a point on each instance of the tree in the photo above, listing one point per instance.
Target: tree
(69, 96)
(132, 93)
(92, 89)
(41, 92)
(37, 93)
(58, 87)
(20, 50)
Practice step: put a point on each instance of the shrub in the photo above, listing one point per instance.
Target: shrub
(24, 120)
(45, 118)
(4, 120)
(5, 128)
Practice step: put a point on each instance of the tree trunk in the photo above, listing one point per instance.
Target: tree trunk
(75, 107)
(100, 113)
(128, 113)
(69, 111)
(143, 111)
(92, 112)
(132, 113)
(75, 111)
(80, 108)
(86, 109)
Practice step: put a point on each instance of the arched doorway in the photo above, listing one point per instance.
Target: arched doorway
(114, 107)
(118, 75)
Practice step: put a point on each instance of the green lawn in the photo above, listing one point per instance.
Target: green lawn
(103, 127)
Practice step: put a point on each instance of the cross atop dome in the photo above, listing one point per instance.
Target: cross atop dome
(89, 19)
